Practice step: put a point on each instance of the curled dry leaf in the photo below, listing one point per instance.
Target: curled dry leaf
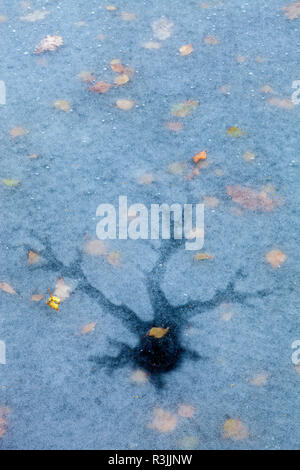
(100, 87)
(18, 132)
(95, 248)
(211, 40)
(158, 332)
(252, 199)
(88, 328)
(234, 429)
(276, 258)
(202, 256)
(187, 49)
(283, 103)
(62, 290)
(121, 79)
(63, 105)
(33, 257)
(292, 11)
(35, 16)
(125, 105)
(186, 411)
(7, 288)
(163, 421)
(162, 28)
(185, 108)
(49, 43)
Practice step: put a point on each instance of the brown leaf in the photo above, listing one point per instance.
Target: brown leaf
(276, 258)
(7, 288)
(88, 328)
(292, 11)
(186, 49)
(33, 257)
(234, 429)
(158, 332)
(200, 156)
(163, 421)
(49, 43)
(252, 199)
(100, 87)
(235, 132)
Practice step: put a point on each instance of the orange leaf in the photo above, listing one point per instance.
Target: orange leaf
(158, 332)
(276, 258)
(200, 156)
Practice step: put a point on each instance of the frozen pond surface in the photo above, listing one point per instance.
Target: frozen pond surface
(224, 376)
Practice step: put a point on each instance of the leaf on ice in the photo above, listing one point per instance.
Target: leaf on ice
(86, 76)
(100, 87)
(292, 11)
(163, 421)
(11, 183)
(116, 66)
(174, 126)
(33, 257)
(151, 45)
(37, 297)
(259, 380)
(186, 49)
(139, 376)
(184, 108)
(283, 103)
(235, 132)
(95, 248)
(63, 105)
(211, 40)
(202, 256)
(125, 16)
(252, 199)
(49, 43)
(18, 132)
(276, 258)
(121, 79)
(162, 28)
(7, 288)
(114, 258)
(4, 412)
(200, 156)
(186, 411)
(234, 429)
(88, 328)
(158, 332)
(125, 105)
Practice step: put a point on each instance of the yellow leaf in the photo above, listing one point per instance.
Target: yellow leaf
(234, 429)
(18, 132)
(235, 132)
(87, 328)
(121, 79)
(11, 183)
(7, 288)
(202, 256)
(163, 421)
(32, 257)
(125, 105)
(95, 248)
(63, 105)
(186, 49)
(276, 258)
(158, 332)
(62, 290)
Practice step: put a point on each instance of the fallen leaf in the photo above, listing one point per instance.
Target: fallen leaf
(249, 156)
(259, 380)
(162, 28)
(211, 201)
(176, 168)
(7, 288)
(186, 49)
(235, 132)
(174, 126)
(86, 76)
(211, 40)
(63, 105)
(3, 19)
(185, 108)
(158, 332)
(186, 411)
(200, 156)
(33, 257)
(125, 105)
(88, 328)
(116, 66)
(128, 16)
(163, 421)
(202, 256)
(95, 248)
(292, 11)
(121, 79)
(33, 155)
(114, 258)
(276, 258)
(100, 87)
(49, 43)
(234, 429)
(37, 297)
(139, 376)
(283, 103)
(151, 45)
(11, 182)
(253, 200)
(17, 132)
(62, 290)
(35, 16)
(111, 8)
